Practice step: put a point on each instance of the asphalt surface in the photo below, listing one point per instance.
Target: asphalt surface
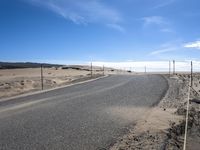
(80, 117)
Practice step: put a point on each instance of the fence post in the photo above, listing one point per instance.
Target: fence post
(42, 84)
(103, 70)
(174, 67)
(191, 74)
(91, 69)
(169, 68)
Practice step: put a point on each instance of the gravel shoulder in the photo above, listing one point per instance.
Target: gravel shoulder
(164, 125)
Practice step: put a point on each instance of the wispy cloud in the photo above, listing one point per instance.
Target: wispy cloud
(165, 50)
(161, 23)
(195, 44)
(154, 20)
(164, 3)
(167, 30)
(175, 49)
(168, 48)
(84, 11)
(116, 27)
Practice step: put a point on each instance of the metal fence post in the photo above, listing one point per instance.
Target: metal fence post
(42, 84)
(91, 70)
(191, 74)
(174, 69)
(103, 70)
(169, 68)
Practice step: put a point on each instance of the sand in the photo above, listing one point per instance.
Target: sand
(18, 81)
(163, 126)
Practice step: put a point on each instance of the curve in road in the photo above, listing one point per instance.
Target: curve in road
(88, 116)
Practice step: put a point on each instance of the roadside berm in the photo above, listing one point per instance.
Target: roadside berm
(164, 125)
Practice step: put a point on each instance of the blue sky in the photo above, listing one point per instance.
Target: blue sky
(74, 31)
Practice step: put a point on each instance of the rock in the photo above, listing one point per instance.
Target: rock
(195, 100)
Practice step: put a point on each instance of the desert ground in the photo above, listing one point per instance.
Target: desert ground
(18, 81)
(164, 126)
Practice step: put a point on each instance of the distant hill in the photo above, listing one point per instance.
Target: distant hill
(17, 65)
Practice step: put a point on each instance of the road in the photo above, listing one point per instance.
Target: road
(88, 116)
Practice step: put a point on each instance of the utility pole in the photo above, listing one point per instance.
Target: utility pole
(91, 70)
(191, 74)
(42, 84)
(174, 69)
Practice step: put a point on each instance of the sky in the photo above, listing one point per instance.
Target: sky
(78, 31)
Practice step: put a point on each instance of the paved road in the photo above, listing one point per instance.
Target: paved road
(89, 116)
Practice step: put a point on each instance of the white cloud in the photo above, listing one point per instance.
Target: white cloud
(83, 11)
(164, 3)
(117, 27)
(167, 30)
(154, 20)
(168, 47)
(195, 44)
(161, 23)
(165, 50)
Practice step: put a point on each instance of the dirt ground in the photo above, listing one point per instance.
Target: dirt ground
(163, 127)
(18, 81)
